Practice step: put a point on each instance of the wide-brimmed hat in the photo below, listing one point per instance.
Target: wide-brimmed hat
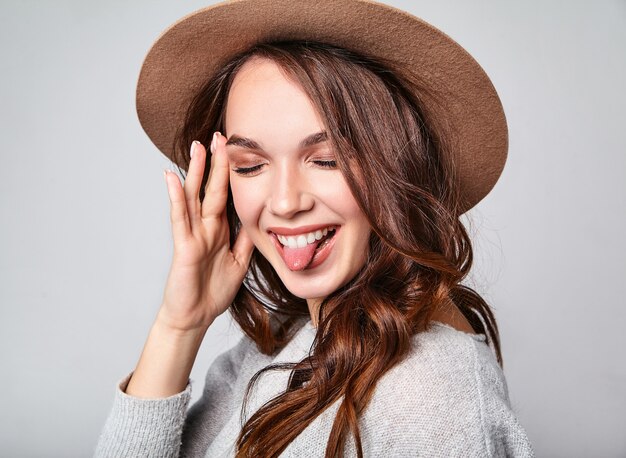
(190, 51)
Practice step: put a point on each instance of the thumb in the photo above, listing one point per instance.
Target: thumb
(242, 249)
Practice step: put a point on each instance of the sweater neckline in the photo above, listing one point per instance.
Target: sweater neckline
(478, 337)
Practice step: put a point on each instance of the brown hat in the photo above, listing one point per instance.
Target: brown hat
(189, 52)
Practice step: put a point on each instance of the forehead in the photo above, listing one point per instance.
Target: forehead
(264, 101)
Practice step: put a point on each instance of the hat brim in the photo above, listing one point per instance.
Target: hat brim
(188, 53)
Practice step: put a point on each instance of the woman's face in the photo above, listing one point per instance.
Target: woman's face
(290, 197)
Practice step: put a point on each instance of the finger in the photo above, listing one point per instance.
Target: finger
(178, 206)
(217, 185)
(242, 249)
(210, 151)
(193, 180)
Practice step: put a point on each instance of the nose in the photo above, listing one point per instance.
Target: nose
(290, 193)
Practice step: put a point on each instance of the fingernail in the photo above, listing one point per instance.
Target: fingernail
(213, 140)
(193, 147)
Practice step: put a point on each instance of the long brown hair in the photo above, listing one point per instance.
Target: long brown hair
(397, 159)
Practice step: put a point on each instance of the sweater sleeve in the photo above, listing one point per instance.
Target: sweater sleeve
(143, 427)
(164, 427)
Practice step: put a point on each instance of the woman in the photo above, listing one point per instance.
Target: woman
(326, 218)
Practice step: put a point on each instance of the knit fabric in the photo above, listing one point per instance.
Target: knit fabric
(447, 398)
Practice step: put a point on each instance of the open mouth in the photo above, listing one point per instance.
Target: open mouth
(305, 251)
(324, 241)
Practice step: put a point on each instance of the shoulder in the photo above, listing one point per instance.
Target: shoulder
(442, 393)
(445, 355)
(443, 367)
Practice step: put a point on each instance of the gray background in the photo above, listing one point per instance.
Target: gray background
(85, 240)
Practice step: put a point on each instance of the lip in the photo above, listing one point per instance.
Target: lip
(299, 230)
(321, 256)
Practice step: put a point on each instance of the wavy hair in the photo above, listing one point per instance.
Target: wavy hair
(397, 159)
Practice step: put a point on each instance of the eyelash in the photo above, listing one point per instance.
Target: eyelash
(326, 164)
(247, 170)
(251, 170)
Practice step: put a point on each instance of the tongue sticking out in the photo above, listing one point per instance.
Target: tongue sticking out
(300, 258)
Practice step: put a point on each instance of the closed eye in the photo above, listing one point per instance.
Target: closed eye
(250, 170)
(247, 170)
(327, 164)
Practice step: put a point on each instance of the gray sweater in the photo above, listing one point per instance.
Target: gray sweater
(448, 398)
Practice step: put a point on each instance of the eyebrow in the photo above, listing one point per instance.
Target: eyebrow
(248, 143)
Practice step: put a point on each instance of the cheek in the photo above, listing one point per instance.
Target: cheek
(340, 197)
(346, 205)
(247, 202)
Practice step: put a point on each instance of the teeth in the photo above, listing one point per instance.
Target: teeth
(300, 241)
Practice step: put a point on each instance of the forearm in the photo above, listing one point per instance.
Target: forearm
(166, 362)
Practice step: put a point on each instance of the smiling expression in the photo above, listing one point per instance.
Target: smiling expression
(287, 190)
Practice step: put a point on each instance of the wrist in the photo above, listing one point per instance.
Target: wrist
(166, 361)
(180, 329)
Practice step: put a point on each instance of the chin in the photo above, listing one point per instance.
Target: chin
(311, 285)
(306, 292)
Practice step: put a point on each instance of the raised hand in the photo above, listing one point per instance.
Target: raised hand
(203, 279)
(205, 274)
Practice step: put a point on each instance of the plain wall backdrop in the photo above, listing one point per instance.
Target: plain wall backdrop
(85, 241)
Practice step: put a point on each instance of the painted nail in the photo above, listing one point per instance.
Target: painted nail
(193, 148)
(213, 143)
